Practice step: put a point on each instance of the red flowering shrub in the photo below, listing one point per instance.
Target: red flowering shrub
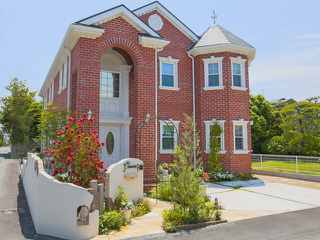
(75, 154)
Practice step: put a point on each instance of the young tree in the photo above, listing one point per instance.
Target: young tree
(15, 117)
(215, 158)
(189, 147)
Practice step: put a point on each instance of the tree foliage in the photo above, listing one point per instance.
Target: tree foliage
(215, 146)
(35, 111)
(15, 116)
(287, 128)
(266, 122)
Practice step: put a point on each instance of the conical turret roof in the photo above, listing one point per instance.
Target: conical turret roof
(216, 38)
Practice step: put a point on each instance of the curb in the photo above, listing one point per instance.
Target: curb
(304, 177)
(196, 225)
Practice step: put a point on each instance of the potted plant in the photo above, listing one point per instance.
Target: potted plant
(123, 204)
(164, 169)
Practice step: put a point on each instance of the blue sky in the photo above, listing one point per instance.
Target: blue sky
(285, 33)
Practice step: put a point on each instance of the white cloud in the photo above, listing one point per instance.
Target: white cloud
(309, 36)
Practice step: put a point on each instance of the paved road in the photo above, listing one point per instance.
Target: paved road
(297, 225)
(15, 220)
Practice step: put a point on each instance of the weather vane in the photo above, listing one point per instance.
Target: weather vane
(214, 17)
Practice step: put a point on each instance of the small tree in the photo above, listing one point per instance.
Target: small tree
(184, 184)
(15, 117)
(188, 150)
(215, 146)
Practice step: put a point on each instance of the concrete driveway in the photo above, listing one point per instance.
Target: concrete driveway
(254, 198)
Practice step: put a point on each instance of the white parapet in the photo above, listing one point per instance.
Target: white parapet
(127, 173)
(53, 204)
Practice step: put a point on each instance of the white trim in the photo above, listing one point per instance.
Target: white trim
(174, 62)
(169, 88)
(239, 88)
(175, 137)
(151, 42)
(206, 62)
(242, 62)
(244, 124)
(213, 88)
(222, 137)
(123, 12)
(240, 151)
(70, 39)
(226, 47)
(169, 16)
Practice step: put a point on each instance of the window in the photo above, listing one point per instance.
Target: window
(168, 136)
(213, 73)
(52, 91)
(60, 81)
(240, 137)
(209, 125)
(65, 74)
(238, 73)
(169, 73)
(109, 84)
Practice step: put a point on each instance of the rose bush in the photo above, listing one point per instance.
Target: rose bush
(75, 153)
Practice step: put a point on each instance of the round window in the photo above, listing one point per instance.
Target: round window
(110, 143)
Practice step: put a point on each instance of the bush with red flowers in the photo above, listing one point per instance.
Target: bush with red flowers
(75, 153)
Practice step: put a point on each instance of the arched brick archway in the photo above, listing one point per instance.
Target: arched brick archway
(123, 44)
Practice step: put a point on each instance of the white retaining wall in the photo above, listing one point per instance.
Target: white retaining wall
(53, 204)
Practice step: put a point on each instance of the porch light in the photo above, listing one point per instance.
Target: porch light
(89, 114)
(147, 117)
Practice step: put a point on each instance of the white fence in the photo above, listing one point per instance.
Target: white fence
(54, 206)
(286, 163)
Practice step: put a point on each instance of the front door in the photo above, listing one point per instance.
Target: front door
(111, 151)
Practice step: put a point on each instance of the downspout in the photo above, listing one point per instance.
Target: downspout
(194, 115)
(69, 72)
(156, 105)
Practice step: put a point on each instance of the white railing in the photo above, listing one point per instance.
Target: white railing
(287, 163)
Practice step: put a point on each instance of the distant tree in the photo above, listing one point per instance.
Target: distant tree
(266, 123)
(301, 127)
(15, 116)
(35, 111)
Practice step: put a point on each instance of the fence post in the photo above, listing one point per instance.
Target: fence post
(101, 196)
(261, 160)
(297, 164)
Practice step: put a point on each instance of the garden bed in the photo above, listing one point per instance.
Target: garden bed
(195, 225)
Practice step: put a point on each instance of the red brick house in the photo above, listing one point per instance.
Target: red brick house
(122, 65)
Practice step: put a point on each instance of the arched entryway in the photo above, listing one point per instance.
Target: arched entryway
(114, 106)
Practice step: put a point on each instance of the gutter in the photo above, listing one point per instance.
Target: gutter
(194, 115)
(156, 105)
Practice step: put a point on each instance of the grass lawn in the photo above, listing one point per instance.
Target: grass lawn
(304, 168)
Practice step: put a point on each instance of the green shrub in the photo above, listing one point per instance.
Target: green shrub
(164, 191)
(141, 208)
(237, 176)
(110, 220)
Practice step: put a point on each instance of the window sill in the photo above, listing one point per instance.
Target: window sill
(213, 88)
(220, 152)
(239, 88)
(64, 86)
(60, 91)
(241, 151)
(166, 151)
(169, 88)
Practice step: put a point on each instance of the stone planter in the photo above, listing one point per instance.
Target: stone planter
(127, 215)
(203, 189)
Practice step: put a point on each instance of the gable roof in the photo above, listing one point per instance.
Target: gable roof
(125, 13)
(216, 38)
(169, 16)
